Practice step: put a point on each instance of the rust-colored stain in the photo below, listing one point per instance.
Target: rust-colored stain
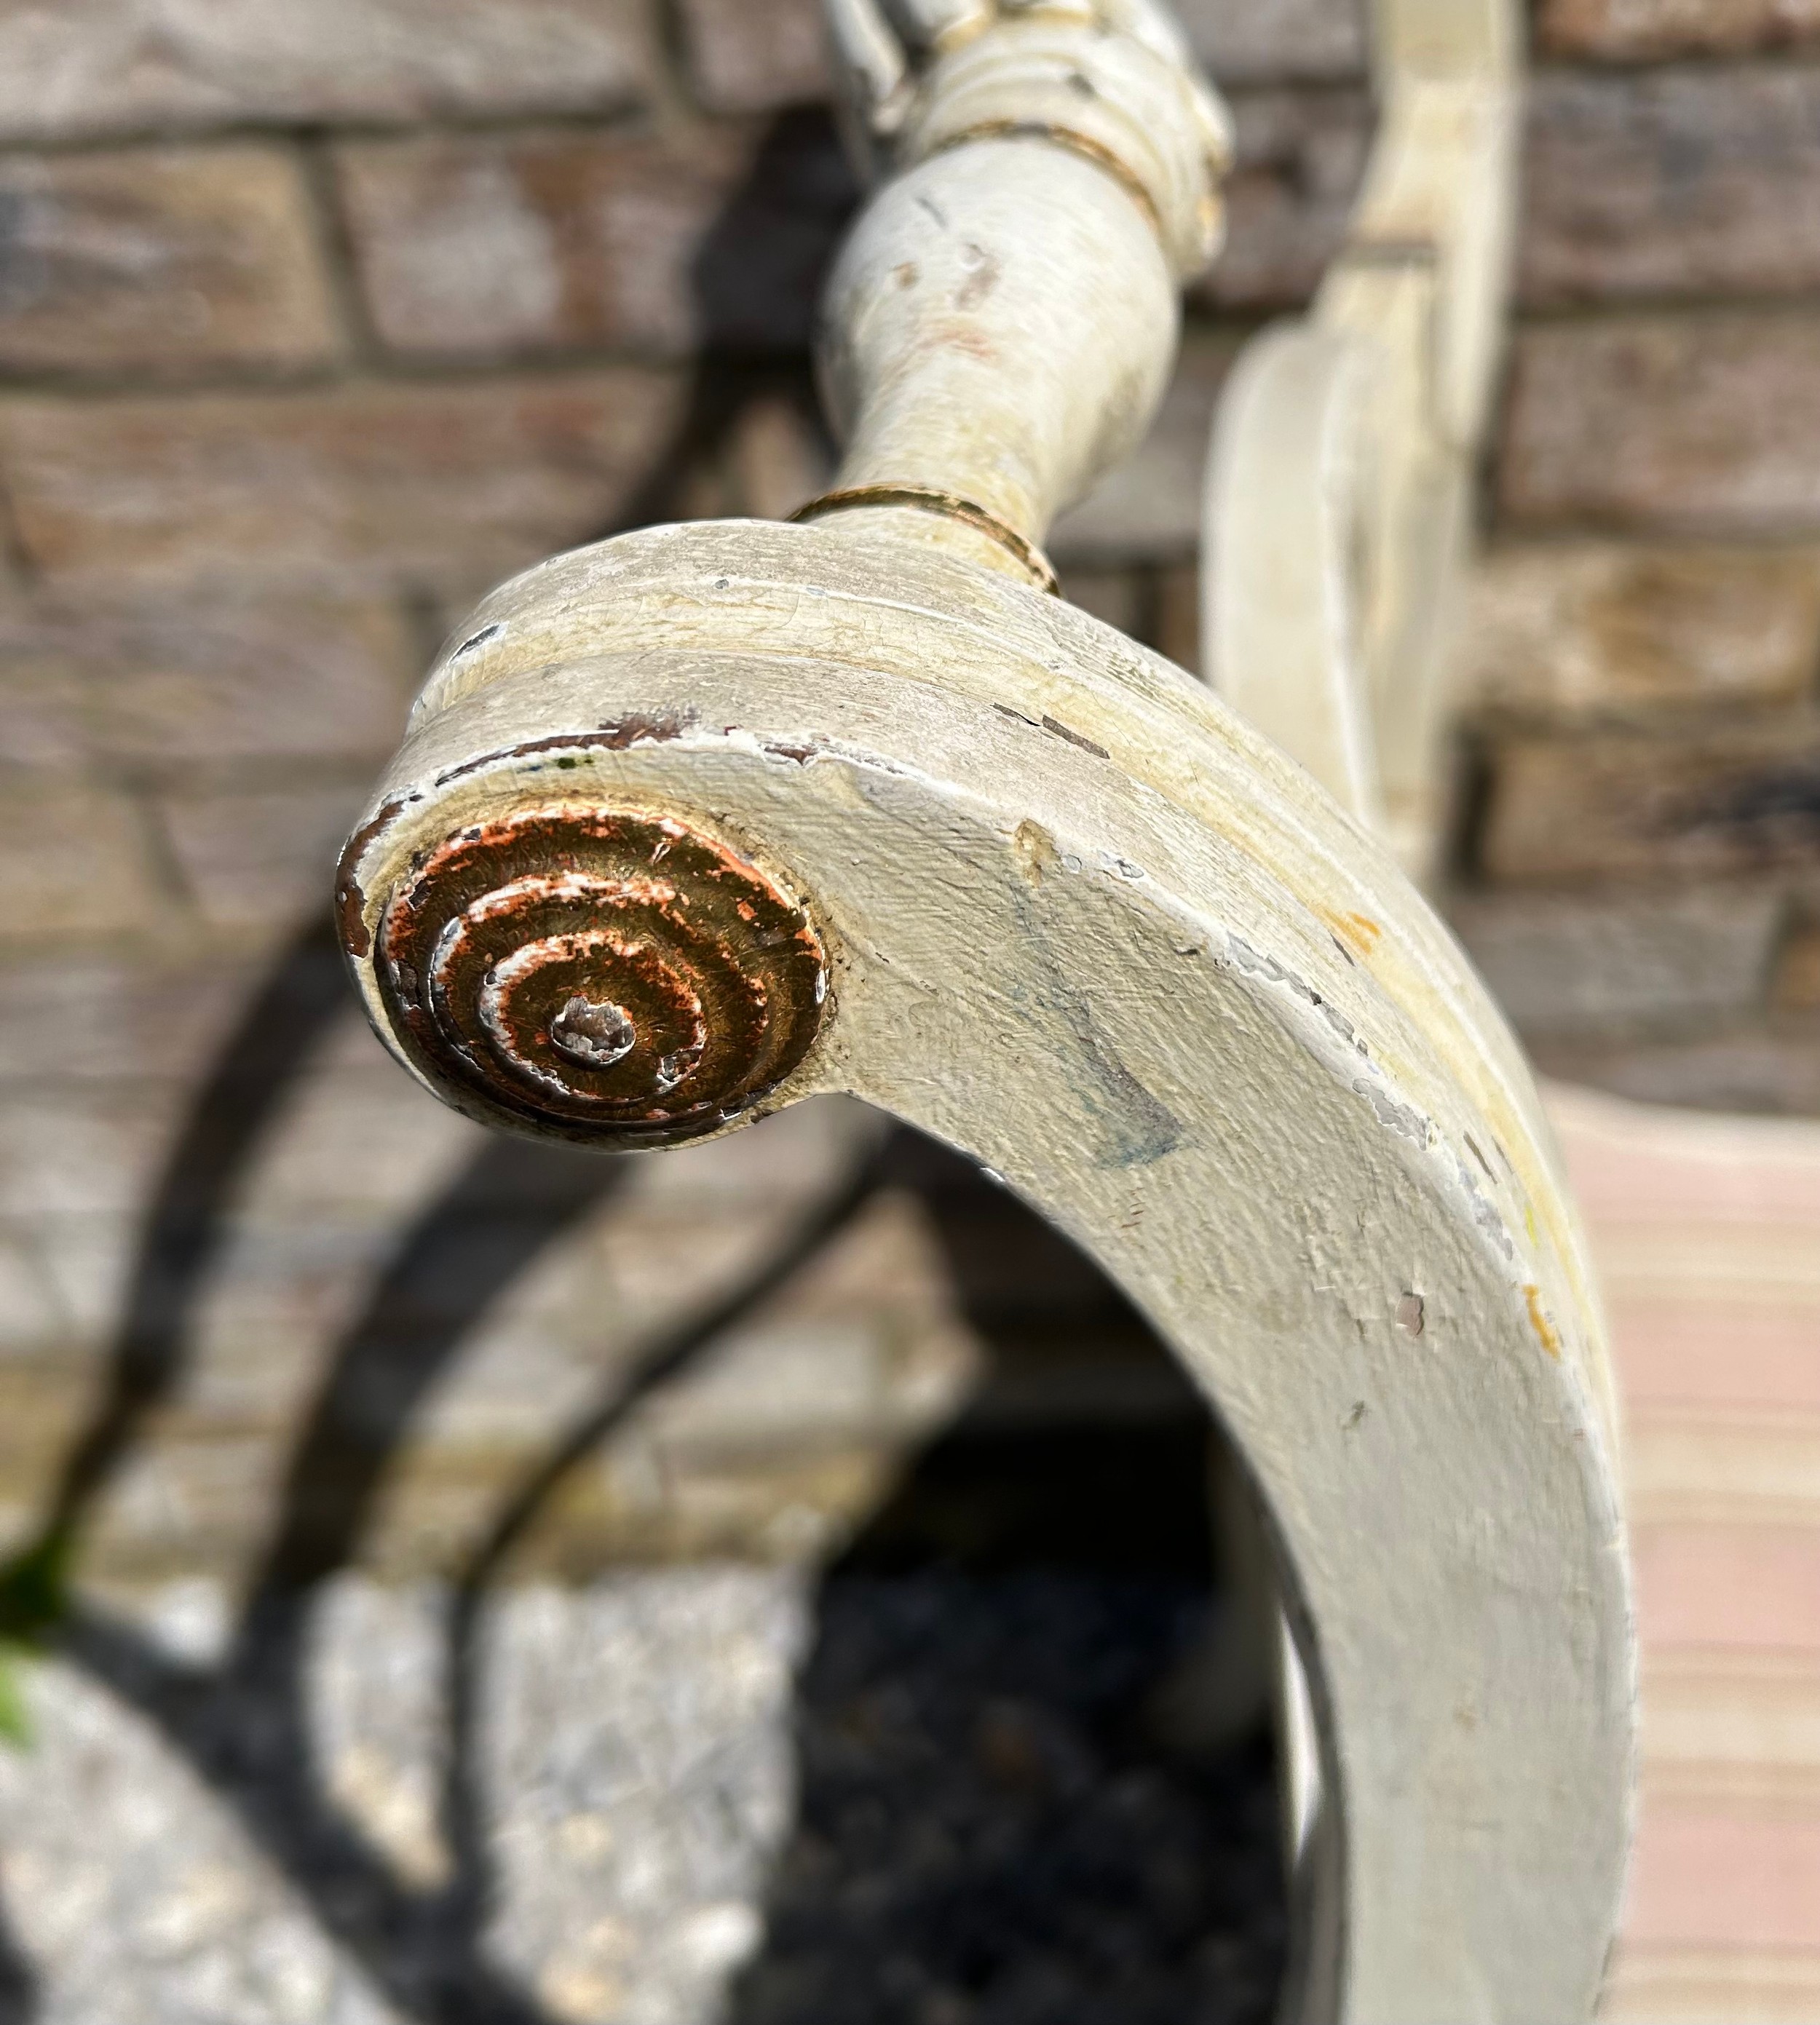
(932, 499)
(613, 976)
(1544, 1328)
(350, 900)
(637, 728)
(1076, 142)
(1359, 932)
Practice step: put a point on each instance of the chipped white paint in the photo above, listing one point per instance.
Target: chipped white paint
(1339, 484)
(1083, 921)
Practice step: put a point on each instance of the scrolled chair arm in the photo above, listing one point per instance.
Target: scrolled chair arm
(703, 820)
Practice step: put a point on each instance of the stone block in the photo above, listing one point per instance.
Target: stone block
(89, 1256)
(81, 1151)
(1301, 158)
(1723, 1878)
(777, 458)
(95, 67)
(1148, 510)
(360, 1146)
(161, 684)
(1675, 182)
(1175, 618)
(449, 483)
(115, 1016)
(1268, 41)
(160, 260)
(493, 244)
(30, 1314)
(1115, 597)
(73, 864)
(1750, 1071)
(1707, 423)
(1589, 965)
(755, 56)
(784, 1163)
(1730, 1587)
(261, 859)
(1727, 800)
(1582, 631)
(1659, 31)
(1796, 989)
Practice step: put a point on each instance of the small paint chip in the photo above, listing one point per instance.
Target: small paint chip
(1412, 1315)
(1075, 738)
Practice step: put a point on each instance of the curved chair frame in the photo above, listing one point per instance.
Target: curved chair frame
(704, 820)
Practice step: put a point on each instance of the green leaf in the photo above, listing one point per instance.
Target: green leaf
(14, 1718)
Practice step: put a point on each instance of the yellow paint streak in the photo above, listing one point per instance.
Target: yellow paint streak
(1359, 932)
(1035, 851)
(1544, 1328)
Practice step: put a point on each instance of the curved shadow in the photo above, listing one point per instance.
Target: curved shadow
(1002, 1817)
(237, 1104)
(19, 1985)
(1027, 1591)
(244, 1728)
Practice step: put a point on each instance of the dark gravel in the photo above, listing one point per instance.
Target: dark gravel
(990, 1830)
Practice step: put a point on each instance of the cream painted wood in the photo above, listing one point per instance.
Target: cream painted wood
(1088, 925)
(1001, 325)
(1335, 538)
(1009, 877)
(1339, 477)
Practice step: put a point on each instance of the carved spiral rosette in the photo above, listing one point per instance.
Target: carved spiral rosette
(608, 975)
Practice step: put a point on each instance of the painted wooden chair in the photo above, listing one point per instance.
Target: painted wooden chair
(707, 818)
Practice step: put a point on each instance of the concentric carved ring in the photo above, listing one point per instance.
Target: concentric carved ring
(610, 975)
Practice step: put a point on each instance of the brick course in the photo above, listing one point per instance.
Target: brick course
(490, 245)
(745, 57)
(77, 866)
(1676, 182)
(369, 483)
(1741, 798)
(1572, 633)
(78, 68)
(1658, 30)
(178, 684)
(1300, 156)
(152, 260)
(1704, 423)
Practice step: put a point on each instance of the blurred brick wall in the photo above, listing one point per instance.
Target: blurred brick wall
(318, 316)
(1644, 646)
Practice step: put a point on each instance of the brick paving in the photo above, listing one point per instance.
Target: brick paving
(1706, 1232)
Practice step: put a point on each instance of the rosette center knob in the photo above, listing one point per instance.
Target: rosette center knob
(614, 975)
(592, 1031)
